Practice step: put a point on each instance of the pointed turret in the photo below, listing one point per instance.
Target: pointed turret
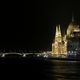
(58, 36)
(56, 31)
(59, 31)
(72, 17)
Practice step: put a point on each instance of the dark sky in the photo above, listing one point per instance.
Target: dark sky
(33, 26)
(44, 16)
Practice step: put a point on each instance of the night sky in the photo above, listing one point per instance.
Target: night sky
(44, 16)
(33, 27)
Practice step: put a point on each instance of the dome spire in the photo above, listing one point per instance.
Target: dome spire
(72, 17)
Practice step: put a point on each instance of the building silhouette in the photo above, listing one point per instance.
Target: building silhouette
(68, 44)
(73, 37)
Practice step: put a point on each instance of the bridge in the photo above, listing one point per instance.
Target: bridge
(12, 53)
(25, 54)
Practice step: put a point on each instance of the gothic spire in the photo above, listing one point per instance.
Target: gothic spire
(72, 17)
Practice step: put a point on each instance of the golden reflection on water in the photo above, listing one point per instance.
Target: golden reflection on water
(65, 70)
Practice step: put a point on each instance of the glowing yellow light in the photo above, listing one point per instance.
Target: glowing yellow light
(59, 46)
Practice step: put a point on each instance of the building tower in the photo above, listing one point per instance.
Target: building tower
(73, 37)
(57, 45)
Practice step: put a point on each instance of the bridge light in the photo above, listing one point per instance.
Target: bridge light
(24, 55)
(3, 55)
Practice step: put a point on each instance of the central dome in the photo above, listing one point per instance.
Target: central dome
(72, 27)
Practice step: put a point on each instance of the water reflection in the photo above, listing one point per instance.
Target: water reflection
(64, 70)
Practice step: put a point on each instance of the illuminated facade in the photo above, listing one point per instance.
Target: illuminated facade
(73, 37)
(62, 45)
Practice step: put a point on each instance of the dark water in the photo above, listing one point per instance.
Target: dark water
(63, 70)
(34, 69)
(55, 70)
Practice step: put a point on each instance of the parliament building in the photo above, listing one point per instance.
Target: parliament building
(69, 44)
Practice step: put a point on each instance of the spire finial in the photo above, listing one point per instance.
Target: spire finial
(72, 17)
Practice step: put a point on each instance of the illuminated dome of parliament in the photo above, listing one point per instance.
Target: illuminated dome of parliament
(69, 42)
(73, 27)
